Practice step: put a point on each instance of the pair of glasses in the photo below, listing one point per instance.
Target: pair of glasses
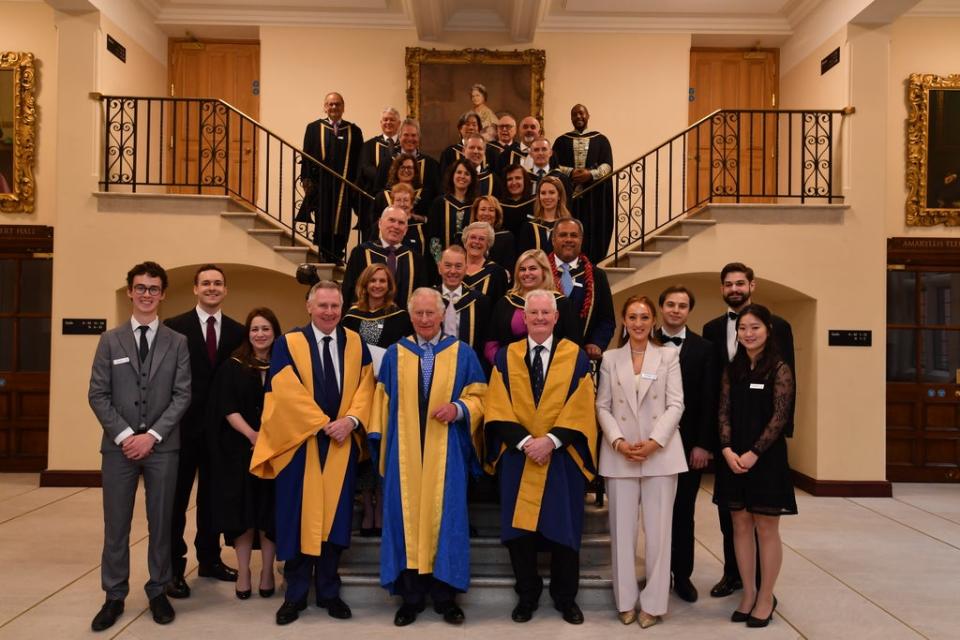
(405, 168)
(142, 289)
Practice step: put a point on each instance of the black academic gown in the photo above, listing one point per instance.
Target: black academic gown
(510, 155)
(516, 213)
(328, 198)
(411, 270)
(448, 216)
(504, 250)
(376, 153)
(596, 209)
(454, 151)
(416, 231)
(474, 310)
(552, 172)
(491, 281)
(489, 183)
(535, 234)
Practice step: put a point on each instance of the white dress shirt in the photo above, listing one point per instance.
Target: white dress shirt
(151, 334)
(682, 335)
(731, 335)
(545, 359)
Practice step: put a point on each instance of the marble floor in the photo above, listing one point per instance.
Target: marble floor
(853, 568)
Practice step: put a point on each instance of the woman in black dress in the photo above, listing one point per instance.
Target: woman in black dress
(245, 503)
(504, 250)
(755, 484)
(380, 323)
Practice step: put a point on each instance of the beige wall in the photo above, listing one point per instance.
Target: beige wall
(634, 85)
(29, 26)
(918, 45)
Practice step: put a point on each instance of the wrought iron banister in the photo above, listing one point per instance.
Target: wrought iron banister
(730, 155)
(208, 146)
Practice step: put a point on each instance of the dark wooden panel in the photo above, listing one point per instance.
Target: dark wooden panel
(941, 417)
(899, 450)
(4, 442)
(843, 488)
(900, 415)
(32, 442)
(34, 404)
(67, 478)
(4, 405)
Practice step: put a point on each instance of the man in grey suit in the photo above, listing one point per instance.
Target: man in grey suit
(139, 389)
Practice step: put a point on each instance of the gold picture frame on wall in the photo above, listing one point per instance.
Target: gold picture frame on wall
(18, 131)
(439, 86)
(933, 150)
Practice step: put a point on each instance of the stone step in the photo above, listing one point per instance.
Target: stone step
(639, 259)
(484, 551)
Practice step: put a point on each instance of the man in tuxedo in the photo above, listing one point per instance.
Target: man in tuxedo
(406, 264)
(315, 411)
(466, 311)
(737, 286)
(211, 337)
(584, 285)
(336, 143)
(698, 426)
(374, 154)
(139, 390)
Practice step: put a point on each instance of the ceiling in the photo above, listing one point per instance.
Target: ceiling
(714, 23)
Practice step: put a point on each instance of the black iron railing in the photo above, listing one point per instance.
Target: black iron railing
(207, 146)
(743, 156)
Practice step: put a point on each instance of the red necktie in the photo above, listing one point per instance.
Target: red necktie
(212, 339)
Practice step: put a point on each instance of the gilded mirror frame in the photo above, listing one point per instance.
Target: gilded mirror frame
(21, 182)
(933, 182)
(460, 60)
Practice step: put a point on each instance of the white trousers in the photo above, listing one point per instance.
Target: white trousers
(656, 493)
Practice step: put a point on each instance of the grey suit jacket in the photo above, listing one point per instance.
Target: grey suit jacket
(116, 377)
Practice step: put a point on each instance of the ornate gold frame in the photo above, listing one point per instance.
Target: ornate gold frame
(536, 58)
(24, 132)
(918, 147)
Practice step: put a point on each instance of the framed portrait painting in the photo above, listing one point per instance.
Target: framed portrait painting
(933, 150)
(440, 82)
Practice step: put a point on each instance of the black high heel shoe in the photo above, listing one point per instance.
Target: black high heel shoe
(762, 622)
(266, 593)
(244, 595)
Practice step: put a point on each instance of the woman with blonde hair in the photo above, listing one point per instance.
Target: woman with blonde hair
(507, 321)
(549, 206)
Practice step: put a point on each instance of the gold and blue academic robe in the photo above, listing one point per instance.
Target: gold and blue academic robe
(547, 499)
(425, 522)
(314, 475)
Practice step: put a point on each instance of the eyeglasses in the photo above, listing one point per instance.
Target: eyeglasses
(142, 289)
(405, 167)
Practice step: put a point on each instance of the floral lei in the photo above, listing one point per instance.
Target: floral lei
(587, 282)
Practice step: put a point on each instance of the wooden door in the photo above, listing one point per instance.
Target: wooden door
(923, 373)
(211, 147)
(25, 293)
(733, 155)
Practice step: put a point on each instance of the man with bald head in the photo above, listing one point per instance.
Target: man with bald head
(407, 265)
(586, 157)
(327, 200)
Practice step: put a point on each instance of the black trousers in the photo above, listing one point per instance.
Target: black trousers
(322, 570)
(194, 461)
(684, 507)
(564, 570)
(414, 587)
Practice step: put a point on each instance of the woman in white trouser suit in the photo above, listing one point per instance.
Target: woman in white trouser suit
(639, 404)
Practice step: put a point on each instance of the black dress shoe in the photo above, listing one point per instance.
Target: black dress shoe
(107, 615)
(406, 614)
(179, 588)
(336, 607)
(162, 612)
(685, 589)
(366, 532)
(217, 570)
(523, 612)
(725, 587)
(571, 613)
(290, 611)
(452, 614)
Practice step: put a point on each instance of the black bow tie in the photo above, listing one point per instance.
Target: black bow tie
(731, 315)
(677, 340)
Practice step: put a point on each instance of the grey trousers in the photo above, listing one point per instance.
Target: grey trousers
(120, 478)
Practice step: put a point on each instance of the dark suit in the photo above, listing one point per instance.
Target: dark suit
(698, 427)
(153, 395)
(716, 332)
(194, 450)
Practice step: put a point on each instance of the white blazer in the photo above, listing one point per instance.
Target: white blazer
(641, 410)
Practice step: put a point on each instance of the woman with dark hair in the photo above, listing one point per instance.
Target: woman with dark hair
(405, 170)
(478, 98)
(380, 323)
(468, 124)
(245, 503)
(450, 212)
(504, 250)
(755, 484)
(518, 203)
(550, 205)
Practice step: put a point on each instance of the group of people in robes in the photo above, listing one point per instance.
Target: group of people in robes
(347, 181)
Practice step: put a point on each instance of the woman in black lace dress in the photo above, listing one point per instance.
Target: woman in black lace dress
(756, 400)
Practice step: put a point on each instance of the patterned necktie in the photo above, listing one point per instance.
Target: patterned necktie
(536, 373)
(392, 259)
(212, 339)
(540, 173)
(336, 128)
(450, 324)
(331, 390)
(144, 345)
(566, 280)
(426, 366)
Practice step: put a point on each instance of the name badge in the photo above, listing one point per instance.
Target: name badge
(648, 376)
(577, 284)
(121, 361)
(756, 386)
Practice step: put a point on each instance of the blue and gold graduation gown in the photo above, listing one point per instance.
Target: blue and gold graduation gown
(314, 475)
(425, 524)
(547, 499)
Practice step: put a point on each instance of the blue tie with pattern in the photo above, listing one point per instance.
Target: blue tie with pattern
(566, 280)
(426, 366)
